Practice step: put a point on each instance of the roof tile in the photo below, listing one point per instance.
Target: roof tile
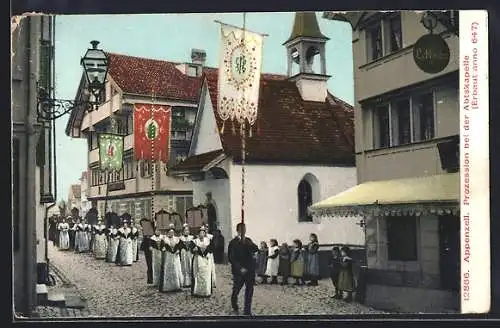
(143, 76)
(289, 129)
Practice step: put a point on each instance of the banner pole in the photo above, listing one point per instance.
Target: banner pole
(107, 192)
(222, 23)
(153, 163)
(243, 132)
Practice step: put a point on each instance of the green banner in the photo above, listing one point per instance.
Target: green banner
(111, 152)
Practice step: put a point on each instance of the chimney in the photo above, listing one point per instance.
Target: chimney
(198, 56)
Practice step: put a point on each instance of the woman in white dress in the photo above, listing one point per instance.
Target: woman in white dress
(202, 271)
(171, 273)
(113, 243)
(88, 231)
(100, 241)
(156, 254)
(211, 254)
(186, 256)
(125, 248)
(135, 244)
(81, 238)
(63, 228)
(273, 261)
(76, 229)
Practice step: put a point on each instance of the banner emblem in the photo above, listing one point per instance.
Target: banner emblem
(239, 74)
(151, 128)
(111, 152)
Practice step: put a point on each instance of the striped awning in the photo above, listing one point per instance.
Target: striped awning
(437, 194)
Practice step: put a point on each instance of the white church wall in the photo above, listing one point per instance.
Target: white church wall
(271, 203)
(221, 197)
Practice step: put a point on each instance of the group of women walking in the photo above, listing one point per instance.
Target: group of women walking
(301, 263)
(181, 260)
(117, 245)
(177, 260)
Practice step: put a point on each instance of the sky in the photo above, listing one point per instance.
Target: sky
(171, 37)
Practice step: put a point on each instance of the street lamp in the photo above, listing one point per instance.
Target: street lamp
(95, 65)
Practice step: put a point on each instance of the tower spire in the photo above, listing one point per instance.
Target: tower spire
(305, 24)
(306, 49)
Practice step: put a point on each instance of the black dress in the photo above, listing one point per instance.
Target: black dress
(219, 249)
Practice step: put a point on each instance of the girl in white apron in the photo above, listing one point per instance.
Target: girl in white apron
(125, 247)
(273, 261)
(186, 256)
(113, 242)
(63, 228)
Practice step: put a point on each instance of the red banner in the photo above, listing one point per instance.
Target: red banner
(152, 125)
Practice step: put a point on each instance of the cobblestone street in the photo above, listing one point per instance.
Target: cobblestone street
(113, 291)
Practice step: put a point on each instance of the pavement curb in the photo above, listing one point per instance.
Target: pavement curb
(68, 284)
(60, 274)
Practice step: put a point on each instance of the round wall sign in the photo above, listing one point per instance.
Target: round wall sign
(431, 53)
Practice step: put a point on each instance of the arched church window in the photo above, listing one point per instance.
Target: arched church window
(304, 200)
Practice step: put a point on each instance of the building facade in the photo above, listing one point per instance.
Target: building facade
(406, 137)
(140, 185)
(32, 160)
(74, 199)
(289, 164)
(85, 204)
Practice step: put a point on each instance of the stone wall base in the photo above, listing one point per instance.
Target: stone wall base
(412, 300)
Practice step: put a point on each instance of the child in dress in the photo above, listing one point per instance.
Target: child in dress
(312, 260)
(273, 261)
(297, 263)
(262, 262)
(284, 267)
(334, 266)
(346, 277)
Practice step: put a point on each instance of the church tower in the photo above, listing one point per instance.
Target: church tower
(303, 47)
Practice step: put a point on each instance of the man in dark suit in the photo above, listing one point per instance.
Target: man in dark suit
(241, 252)
(145, 247)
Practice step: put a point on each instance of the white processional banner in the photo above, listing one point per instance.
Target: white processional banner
(239, 74)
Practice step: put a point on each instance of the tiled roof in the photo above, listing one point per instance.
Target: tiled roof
(197, 162)
(289, 129)
(141, 76)
(76, 191)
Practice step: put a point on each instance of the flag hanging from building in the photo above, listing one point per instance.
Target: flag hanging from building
(152, 125)
(239, 74)
(111, 151)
